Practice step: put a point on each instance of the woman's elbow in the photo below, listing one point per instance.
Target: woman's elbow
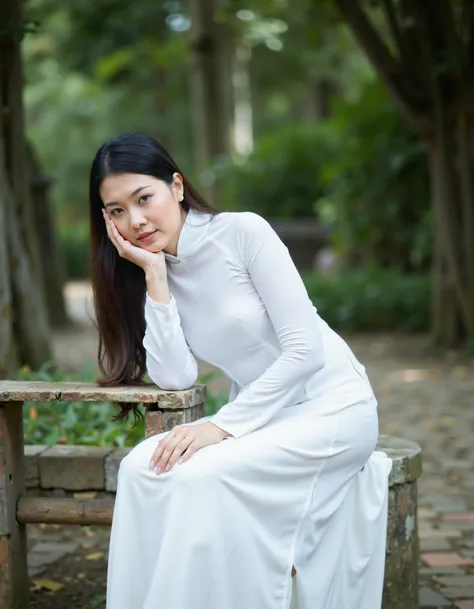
(313, 360)
(168, 382)
(172, 380)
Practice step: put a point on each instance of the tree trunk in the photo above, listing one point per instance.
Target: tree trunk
(211, 87)
(318, 101)
(452, 172)
(23, 320)
(52, 271)
(431, 77)
(243, 112)
(8, 360)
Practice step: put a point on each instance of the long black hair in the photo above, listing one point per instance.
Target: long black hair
(118, 284)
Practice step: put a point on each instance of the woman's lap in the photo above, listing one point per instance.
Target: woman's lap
(293, 442)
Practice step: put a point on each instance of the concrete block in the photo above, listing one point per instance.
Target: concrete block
(112, 463)
(73, 468)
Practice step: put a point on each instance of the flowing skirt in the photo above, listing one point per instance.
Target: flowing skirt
(224, 529)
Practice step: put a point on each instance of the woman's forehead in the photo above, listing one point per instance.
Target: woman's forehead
(125, 185)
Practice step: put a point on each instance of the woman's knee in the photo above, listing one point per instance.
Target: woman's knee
(138, 458)
(201, 469)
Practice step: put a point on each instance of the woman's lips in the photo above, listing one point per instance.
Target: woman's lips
(147, 237)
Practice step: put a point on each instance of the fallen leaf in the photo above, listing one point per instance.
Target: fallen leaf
(95, 556)
(85, 495)
(447, 421)
(47, 584)
(98, 601)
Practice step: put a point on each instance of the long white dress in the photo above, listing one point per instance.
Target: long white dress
(296, 484)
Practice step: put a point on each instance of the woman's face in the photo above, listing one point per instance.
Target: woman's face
(145, 210)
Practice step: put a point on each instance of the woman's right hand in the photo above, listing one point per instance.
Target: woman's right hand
(141, 257)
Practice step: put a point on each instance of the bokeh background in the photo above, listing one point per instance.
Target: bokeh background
(349, 125)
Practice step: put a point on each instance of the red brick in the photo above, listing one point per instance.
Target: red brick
(465, 604)
(446, 559)
(4, 550)
(467, 517)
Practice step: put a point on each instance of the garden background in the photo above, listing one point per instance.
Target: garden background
(349, 125)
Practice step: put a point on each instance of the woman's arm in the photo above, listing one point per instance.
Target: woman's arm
(267, 261)
(170, 363)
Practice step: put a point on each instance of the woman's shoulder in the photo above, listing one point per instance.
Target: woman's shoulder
(246, 222)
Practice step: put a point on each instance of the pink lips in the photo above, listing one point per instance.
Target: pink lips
(145, 237)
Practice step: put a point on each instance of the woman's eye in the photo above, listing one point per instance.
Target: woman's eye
(144, 198)
(115, 212)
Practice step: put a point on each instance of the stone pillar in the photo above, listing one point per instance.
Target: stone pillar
(14, 587)
(175, 408)
(402, 555)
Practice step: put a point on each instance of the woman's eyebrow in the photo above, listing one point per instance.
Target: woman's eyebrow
(135, 192)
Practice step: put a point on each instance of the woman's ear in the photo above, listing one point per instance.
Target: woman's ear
(178, 186)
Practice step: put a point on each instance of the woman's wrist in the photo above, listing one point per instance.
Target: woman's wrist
(153, 271)
(157, 285)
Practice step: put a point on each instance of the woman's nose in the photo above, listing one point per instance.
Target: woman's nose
(137, 218)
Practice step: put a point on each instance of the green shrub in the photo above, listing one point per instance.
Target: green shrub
(372, 300)
(378, 190)
(281, 178)
(74, 243)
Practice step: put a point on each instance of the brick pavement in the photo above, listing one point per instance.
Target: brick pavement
(429, 398)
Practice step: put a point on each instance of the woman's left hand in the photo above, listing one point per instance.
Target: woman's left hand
(182, 442)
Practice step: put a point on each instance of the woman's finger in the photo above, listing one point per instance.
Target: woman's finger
(192, 448)
(180, 448)
(169, 449)
(109, 225)
(117, 236)
(159, 449)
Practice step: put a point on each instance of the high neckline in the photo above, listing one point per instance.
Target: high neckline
(191, 235)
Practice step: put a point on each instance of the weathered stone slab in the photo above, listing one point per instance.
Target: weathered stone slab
(90, 392)
(32, 453)
(406, 457)
(112, 463)
(73, 468)
(40, 391)
(32, 391)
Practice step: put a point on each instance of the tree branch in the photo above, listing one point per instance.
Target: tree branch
(447, 48)
(414, 104)
(391, 14)
(468, 20)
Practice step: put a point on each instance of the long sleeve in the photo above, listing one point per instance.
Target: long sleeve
(282, 291)
(170, 363)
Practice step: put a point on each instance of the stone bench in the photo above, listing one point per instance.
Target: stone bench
(76, 484)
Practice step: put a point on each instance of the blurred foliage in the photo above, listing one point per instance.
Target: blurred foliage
(378, 198)
(94, 71)
(87, 423)
(74, 243)
(281, 177)
(372, 300)
(97, 69)
(361, 171)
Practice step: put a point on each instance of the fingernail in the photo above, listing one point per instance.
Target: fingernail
(167, 468)
(151, 464)
(158, 470)
(180, 460)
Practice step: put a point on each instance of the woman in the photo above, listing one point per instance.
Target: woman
(215, 514)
